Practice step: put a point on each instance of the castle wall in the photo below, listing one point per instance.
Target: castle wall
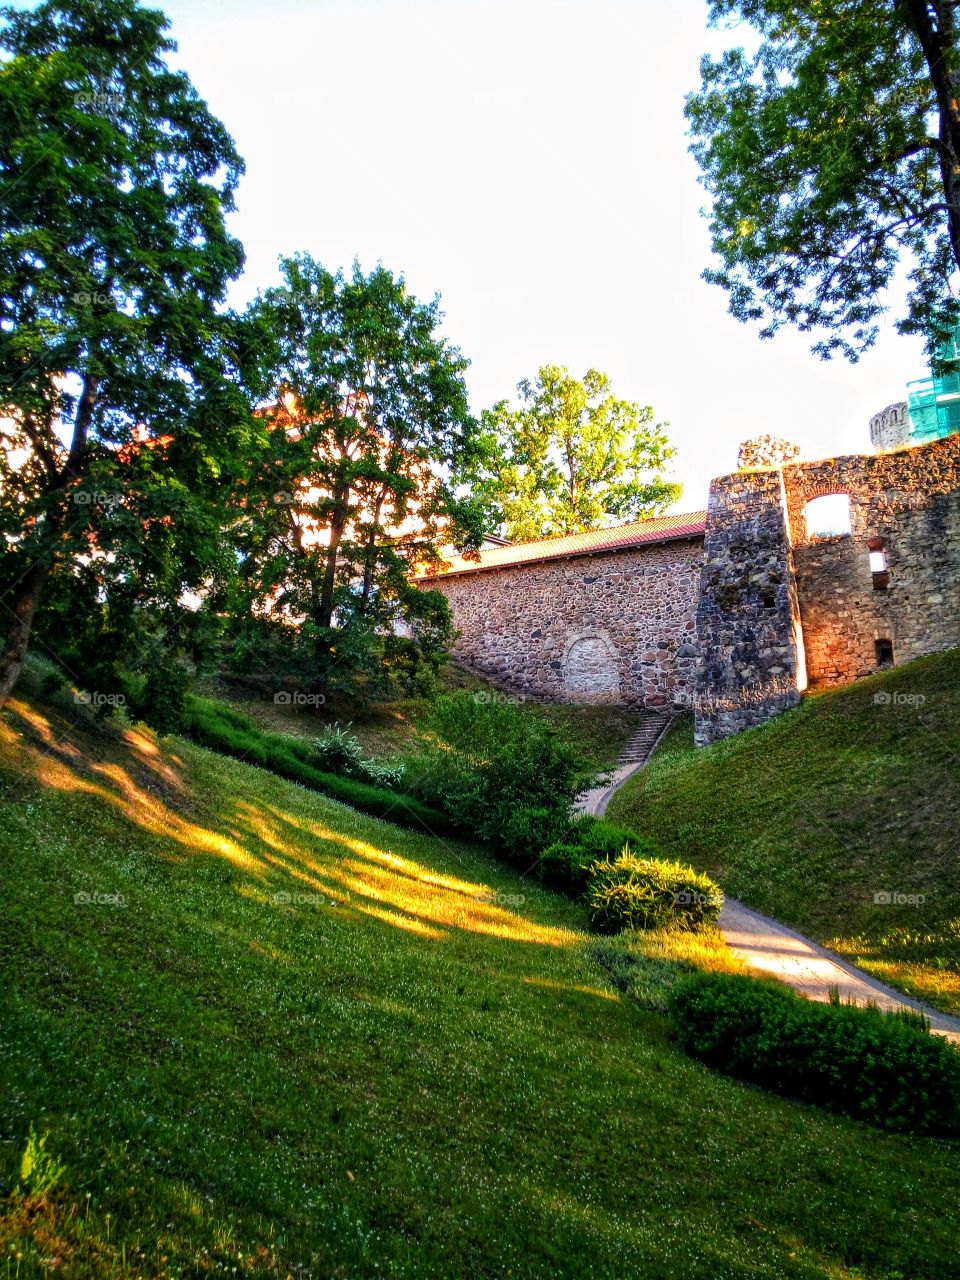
(751, 659)
(909, 502)
(611, 627)
(738, 621)
(890, 428)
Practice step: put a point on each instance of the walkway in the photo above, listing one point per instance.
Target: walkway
(764, 943)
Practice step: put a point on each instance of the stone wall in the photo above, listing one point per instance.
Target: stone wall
(735, 623)
(751, 655)
(766, 451)
(905, 505)
(609, 627)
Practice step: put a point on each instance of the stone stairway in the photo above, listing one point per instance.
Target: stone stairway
(651, 728)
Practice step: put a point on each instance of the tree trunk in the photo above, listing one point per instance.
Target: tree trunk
(370, 557)
(23, 606)
(324, 615)
(22, 599)
(937, 40)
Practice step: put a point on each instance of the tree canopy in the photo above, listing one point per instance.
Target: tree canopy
(367, 428)
(119, 384)
(572, 456)
(831, 151)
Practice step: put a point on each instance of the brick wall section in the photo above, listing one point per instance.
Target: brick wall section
(910, 499)
(616, 626)
(751, 661)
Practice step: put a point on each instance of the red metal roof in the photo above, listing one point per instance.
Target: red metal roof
(661, 529)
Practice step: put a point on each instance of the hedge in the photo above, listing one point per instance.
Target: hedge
(883, 1068)
(231, 733)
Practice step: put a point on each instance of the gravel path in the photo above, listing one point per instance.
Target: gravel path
(765, 943)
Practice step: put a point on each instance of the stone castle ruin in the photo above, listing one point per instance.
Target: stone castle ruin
(798, 574)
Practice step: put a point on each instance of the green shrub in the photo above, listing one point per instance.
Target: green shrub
(230, 732)
(646, 964)
(500, 772)
(628, 892)
(566, 864)
(566, 867)
(646, 979)
(606, 839)
(337, 750)
(882, 1068)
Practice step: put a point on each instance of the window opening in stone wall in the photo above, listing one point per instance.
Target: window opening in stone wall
(828, 517)
(884, 650)
(878, 564)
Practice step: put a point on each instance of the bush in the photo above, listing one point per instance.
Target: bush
(338, 750)
(222, 729)
(605, 839)
(629, 892)
(500, 772)
(566, 867)
(882, 1068)
(566, 864)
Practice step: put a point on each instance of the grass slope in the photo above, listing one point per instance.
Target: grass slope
(389, 728)
(379, 1072)
(853, 794)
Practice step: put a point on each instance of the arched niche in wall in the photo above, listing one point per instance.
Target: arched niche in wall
(591, 670)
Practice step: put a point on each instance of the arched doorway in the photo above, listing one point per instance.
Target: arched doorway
(591, 672)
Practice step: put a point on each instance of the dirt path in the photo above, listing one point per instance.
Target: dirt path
(765, 943)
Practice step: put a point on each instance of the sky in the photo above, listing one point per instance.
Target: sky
(528, 162)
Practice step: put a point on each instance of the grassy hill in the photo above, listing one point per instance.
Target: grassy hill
(854, 794)
(265, 1036)
(389, 728)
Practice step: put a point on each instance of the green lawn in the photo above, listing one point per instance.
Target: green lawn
(809, 817)
(382, 1072)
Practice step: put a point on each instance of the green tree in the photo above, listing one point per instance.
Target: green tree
(573, 457)
(117, 379)
(831, 151)
(368, 428)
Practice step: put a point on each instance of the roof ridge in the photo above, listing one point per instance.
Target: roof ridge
(612, 528)
(614, 537)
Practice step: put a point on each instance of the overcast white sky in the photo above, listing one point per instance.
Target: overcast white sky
(528, 162)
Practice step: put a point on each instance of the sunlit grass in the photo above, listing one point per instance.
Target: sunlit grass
(645, 964)
(280, 1038)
